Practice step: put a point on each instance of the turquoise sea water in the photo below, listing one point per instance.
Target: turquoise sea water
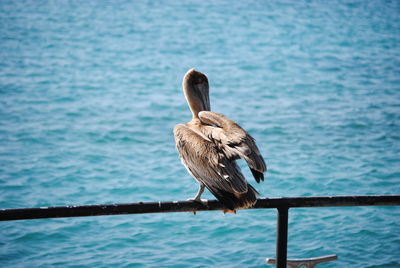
(91, 90)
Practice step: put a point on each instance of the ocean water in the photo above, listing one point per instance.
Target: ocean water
(91, 90)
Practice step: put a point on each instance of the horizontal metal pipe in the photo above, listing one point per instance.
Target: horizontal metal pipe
(329, 201)
(189, 206)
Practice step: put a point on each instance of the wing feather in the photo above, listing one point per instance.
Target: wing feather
(234, 141)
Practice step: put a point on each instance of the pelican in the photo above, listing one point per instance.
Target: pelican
(209, 146)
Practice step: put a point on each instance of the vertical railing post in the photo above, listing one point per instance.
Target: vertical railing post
(282, 236)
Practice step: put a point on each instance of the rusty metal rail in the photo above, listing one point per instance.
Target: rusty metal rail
(281, 204)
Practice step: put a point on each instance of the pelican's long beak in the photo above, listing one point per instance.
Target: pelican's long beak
(196, 90)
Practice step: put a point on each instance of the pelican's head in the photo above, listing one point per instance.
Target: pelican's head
(195, 88)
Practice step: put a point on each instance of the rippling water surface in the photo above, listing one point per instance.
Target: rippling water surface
(90, 92)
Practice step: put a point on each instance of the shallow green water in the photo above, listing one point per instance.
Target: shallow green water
(90, 92)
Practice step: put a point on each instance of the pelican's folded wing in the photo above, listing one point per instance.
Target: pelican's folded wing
(206, 163)
(234, 141)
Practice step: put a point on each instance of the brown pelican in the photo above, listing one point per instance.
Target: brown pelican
(209, 146)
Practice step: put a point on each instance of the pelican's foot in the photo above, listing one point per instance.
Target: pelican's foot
(229, 211)
(197, 200)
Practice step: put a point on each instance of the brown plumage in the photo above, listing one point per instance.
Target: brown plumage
(210, 144)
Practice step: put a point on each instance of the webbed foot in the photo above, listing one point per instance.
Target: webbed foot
(197, 200)
(229, 211)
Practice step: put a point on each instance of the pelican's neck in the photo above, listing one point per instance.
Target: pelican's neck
(195, 114)
(197, 99)
(195, 88)
(195, 122)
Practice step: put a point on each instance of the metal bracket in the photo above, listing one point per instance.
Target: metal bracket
(306, 262)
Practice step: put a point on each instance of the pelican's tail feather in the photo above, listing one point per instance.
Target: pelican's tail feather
(236, 200)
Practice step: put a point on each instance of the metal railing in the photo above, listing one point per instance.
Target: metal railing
(281, 204)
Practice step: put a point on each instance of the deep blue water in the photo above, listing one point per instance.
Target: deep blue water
(91, 90)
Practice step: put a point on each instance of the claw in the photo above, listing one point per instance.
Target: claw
(197, 200)
(229, 211)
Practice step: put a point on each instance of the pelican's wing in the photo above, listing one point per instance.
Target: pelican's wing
(234, 141)
(207, 163)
